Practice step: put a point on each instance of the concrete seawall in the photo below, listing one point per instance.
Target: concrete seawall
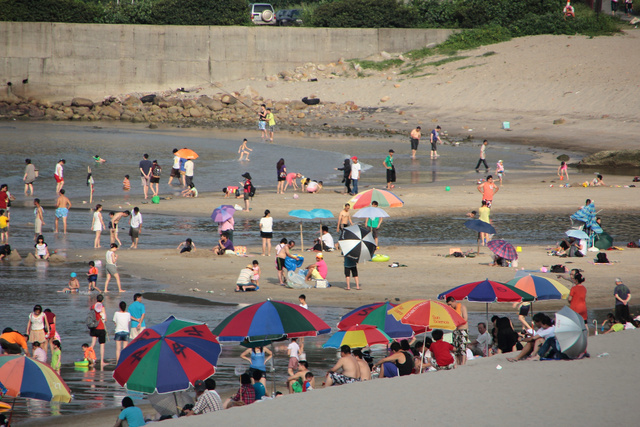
(62, 61)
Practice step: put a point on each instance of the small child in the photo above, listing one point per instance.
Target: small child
(73, 286)
(56, 356)
(90, 182)
(89, 354)
(192, 191)
(38, 352)
(231, 192)
(500, 170)
(303, 301)
(98, 159)
(441, 352)
(126, 184)
(256, 272)
(4, 227)
(292, 180)
(187, 246)
(244, 150)
(42, 250)
(563, 170)
(308, 385)
(92, 276)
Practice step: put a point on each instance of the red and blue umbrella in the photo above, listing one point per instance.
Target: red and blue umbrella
(385, 199)
(270, 321)
(503, 249)
(487, 291)
(23, 376)
(168, 357)
(542, 288)
(377, 315)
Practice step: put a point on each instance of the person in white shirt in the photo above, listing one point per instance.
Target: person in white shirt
(545, 331)
(293, 351)
(327, 241)
(266, 232)
(135, 225)
(122, 319)
(188, 172)
(481, 345)
(175, 169)
(355, 173)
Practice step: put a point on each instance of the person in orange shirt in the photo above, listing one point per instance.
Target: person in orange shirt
(89, 354)
(92, 276)
(12, 342)
(578, 296)
(488, 189)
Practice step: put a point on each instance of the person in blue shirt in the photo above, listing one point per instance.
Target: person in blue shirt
(137, 311)
(132, 414)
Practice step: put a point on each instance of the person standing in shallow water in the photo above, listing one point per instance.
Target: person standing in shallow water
(414, 138)
(346, 175)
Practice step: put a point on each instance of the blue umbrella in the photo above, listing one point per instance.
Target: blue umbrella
(588, 215)
(577, 234)
(312, 214)
(480, 227)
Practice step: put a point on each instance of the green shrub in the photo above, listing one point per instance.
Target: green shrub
(50, 11)
(364, 14)
(200, 12)
(379, 65)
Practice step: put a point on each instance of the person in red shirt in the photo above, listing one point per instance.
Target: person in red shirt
(246, 395)
(51, 335)
(99, 332)
(488, 189)
(441, 352)
(578, 296)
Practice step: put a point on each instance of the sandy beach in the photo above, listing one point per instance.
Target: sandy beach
(593, 84)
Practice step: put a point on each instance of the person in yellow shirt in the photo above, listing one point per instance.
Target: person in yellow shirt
(271, 122)
(4, 227)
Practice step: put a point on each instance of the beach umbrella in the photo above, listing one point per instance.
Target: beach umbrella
(571, 333)
(270, 320)
(23, 376)
(576, 234)
(603, 241)
(427, 313)
(223, 213)
(377, 314)
(588, 214)
(503, 249)
(358, 336)
(187, 153)
(371, 212)
(357, 243)
(170, 403)
(542, 288)
(312, 214)
(170, 356)
(480, 227)
(385, 199)
(487, 291)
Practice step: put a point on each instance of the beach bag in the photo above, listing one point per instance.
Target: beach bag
(155, 200)
(601, 258)
(91, 320)
(558, 268)
(252, 190)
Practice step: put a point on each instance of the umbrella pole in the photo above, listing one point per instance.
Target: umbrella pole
(478, 243)
(424, 341)
(11, 413)
(301, 241)
(273, 370)
(321, 243)
(175, 397)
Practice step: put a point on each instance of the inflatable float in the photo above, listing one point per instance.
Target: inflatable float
(380, 258)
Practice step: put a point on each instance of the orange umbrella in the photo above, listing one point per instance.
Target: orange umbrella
(187, 153)
(431, 314)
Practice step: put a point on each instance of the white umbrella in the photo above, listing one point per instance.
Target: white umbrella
(371, 212)
(571, 333)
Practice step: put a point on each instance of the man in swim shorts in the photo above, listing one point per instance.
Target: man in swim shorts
(350, 369)
(63, 204)
(59, 175)
(414, 138)
(488, 189)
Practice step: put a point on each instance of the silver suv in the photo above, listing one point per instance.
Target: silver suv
(262, 14)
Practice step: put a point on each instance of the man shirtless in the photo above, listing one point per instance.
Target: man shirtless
(344, 220)
(350, 369)
(114, 219)
(63, 204)
(414, 138)
(365, 371)
(303, 368)
(282, 254)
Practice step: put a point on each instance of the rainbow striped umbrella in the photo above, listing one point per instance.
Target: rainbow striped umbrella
(358, 336)
(26, 377)
(376, 314)
(487, 291)
(427, 313)
(385, 199)
(542, 288)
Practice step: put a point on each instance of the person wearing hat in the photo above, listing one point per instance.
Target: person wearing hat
(245, 281)
(318, 270)
(391, 170)
(622, 295)
(207, 400)
(355, 173)
(247, 185)
(73, 286)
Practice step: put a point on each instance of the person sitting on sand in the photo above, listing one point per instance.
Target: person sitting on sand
(498, 261)
(295, 381)
(5, 251)
(597, 182)
(398, 363)
(349, 366)
(318, 270)
(42, 250)
(73, 286)
(326, 239)
(224, 245)
(246, 394)
(231, 192)
(190, 191)
(131, 414)
(441, 351)
(545, 330)
(245, 281)
(422, 356)
(365, 370)
(207, 399)
(187, 246)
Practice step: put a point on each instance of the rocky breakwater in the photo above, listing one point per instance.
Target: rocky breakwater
(184, 106)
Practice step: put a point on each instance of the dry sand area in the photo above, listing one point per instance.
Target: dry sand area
(594, 85)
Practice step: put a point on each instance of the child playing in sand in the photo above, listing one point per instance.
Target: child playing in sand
(98, 159)
(292, 180)
(500, 170)
(187, 246)
(92, 276)
(4, 227)
(231, 192)
(192, 191)
(89, 355)
(244, 150)
(73, 286)
(256, 272)
(42, 250)
(126, 184)
(313, 186)
(597, 182)
(562, 170)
